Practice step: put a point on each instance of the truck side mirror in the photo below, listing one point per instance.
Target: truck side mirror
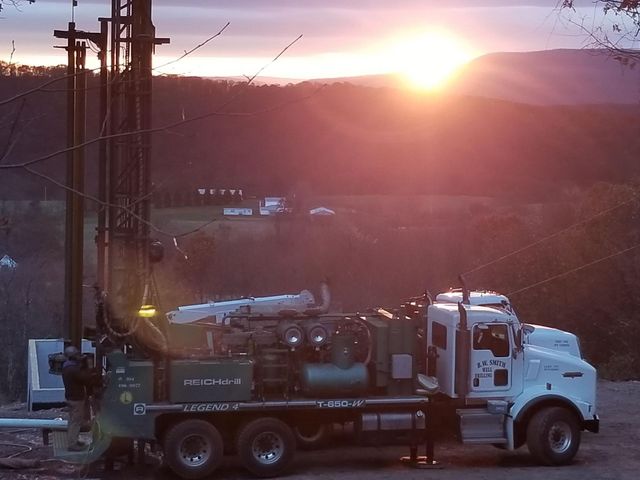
(517, 337)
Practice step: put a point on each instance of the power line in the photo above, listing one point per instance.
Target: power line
(216, 112)
(163, 128)
(42, 87)
(573, 270)
(26, 165)
(554, 235)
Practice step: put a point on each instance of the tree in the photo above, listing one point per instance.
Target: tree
(619, 29)
(31, 292)
(13, 3)
(196, 265)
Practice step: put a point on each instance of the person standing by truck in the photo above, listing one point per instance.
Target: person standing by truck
(76, 377)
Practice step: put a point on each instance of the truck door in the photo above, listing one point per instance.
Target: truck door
(491, 363)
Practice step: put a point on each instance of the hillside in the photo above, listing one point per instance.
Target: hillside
(553, 77)
(346, 139)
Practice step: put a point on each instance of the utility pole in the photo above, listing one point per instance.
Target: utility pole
(103, 156)
(74, 213)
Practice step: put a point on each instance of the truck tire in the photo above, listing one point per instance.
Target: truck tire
(193, 449)
(266, 447)
(312, 436)
(553, 436)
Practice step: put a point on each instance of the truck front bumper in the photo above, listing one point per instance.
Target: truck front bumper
(592, 425)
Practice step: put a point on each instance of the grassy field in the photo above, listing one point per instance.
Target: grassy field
(382, 206)
(399, 209)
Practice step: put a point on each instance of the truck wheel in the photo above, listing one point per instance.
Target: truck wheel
(312, 436)
(553, 436)
(266, 446)
(193, 449)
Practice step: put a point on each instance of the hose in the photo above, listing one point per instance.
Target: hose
(26, 448)
(369, 343)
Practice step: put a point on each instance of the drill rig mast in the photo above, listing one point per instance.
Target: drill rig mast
(125, 177)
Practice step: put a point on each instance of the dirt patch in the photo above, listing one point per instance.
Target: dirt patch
(611, 454)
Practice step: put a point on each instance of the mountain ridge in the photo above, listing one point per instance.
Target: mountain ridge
(546, 77)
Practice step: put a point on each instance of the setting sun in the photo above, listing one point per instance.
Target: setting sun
(429, 60)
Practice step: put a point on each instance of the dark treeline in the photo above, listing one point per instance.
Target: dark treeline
(341, 139)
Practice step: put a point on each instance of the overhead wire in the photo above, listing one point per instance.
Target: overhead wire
(217, 112)
(583, 222)
(43, 86)
(26, 165)
(573, 270)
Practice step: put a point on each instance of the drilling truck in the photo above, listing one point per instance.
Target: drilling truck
(261, 383)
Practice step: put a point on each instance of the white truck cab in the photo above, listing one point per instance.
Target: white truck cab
(511, 390)
(532, 334)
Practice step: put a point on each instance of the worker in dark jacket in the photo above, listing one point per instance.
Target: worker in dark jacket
(76, 378)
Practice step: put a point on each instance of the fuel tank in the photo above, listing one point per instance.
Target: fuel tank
(327, 379)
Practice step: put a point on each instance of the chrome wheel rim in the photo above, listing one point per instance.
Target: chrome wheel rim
(195, 450)
(267, 448)
(560, 437)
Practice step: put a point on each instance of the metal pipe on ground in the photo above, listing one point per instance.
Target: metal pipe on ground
(50, 424)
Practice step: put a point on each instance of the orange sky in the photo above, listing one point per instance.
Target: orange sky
(421, 38)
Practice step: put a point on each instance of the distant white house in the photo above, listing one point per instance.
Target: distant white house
(322, 212)
(274, 202)
(273, 205)
(238, 212)
(7, 262)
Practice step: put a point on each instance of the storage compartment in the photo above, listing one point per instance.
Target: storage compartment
(477, 425)
(391, 428)
(227, 380)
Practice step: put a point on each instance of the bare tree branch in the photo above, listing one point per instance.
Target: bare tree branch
(275, 59)
(217, 112)
(43, 87)
(618, 37)
(189, 52)
(167, 128)
(12, 131)
(27, 167)
(14, 3)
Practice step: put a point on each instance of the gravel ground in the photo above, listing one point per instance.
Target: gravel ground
(612, 454)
